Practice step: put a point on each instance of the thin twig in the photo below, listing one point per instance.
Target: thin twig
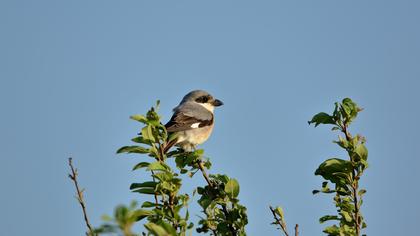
(279, 221)
(203, 171)
(296, 230)
(73, 177)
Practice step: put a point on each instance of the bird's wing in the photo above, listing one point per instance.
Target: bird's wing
(189, 116)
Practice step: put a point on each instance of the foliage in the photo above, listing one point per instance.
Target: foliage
(167, 213)
(225, 216)
(344, 174)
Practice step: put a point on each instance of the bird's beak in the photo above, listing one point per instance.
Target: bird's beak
(217, 103)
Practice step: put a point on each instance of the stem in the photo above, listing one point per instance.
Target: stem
(356, 210)
(171, 207)
(296, 230)
(354, 185)
(73, 177)
(203, 171)
(161, 151)
(280, 222)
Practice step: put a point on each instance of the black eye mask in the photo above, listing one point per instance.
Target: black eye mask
(202, 99)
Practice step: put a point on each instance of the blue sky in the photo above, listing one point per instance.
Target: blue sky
(72, 72)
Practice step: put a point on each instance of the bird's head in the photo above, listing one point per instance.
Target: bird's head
(203, 98)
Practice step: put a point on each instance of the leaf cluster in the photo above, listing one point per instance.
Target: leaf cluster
(224, 214)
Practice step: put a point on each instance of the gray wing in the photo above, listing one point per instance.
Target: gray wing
(188, 114)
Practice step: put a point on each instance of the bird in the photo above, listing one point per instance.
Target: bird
(192, 121)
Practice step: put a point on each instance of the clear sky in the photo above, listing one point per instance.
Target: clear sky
(72, 72)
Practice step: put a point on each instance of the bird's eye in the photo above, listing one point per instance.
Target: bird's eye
(202, 99)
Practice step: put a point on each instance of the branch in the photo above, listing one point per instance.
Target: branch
(203, 171)
(279, 221)
(79, 196)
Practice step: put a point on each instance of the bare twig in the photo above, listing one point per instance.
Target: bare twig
(79, 196)
(279, 221)
(296, 230)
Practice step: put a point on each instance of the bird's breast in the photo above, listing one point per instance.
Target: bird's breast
(196, 136)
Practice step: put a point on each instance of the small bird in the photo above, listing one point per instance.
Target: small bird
(193, 120)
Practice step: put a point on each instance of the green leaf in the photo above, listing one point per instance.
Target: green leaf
(361, 192)
(222, 178)
(322, 118)
(141, 213)
(349, 106)
(315, 191)
(332, 230)
(156, 230)
(140, 139)
(158, 166)
(232, 188)
(141, 165)
(173, 136)
(168, 228)
(157, 105)
(164, 176)
(361, 152)
(149, 184)
(152, 117)
(133, 149)
(327, 218)
(180, 162)
(145, 191)
(364, 225)
(199, 152)
(346, 216)
(349, 109)
(147, 133)
(148, 204)
(139, 118)
(279, 211)
(342, 142)
(333, 169)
